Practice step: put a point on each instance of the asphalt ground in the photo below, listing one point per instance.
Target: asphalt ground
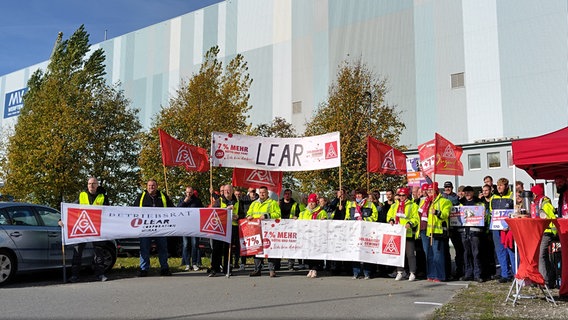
(193, 295)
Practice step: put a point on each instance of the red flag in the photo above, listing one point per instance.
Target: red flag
(256, 178)
(440, 156)
(177, 153)
(385, 159)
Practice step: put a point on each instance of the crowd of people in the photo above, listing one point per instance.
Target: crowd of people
(480, 254)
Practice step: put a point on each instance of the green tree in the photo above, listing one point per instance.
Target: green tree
(355, 107)
(214, 99)
(72, 126)
(278, 128)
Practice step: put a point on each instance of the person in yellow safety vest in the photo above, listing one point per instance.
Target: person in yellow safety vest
(361, 209)
(405, 212)
(263, 208)
(437, 232)
(152, 197)
(313, 212)
(220, 249)
(542, 207)
(94, 195)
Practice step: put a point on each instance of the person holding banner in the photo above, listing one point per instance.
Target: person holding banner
(152, 197)
(471, 238)
(94, 195)
(405, 212)
(190, 201)
(437, 232)
(220, 249)
(289, 209)
(361, 210)
(263, 208)
(313, 212)
(503, 199)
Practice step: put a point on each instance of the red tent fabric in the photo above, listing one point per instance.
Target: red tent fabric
(543, 157)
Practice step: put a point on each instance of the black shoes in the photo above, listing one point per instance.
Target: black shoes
(479, 280)
(504, 280)
(212, 274)
(165, 272)
(143, 273)
(466, 278)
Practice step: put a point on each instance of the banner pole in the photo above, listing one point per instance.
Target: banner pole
(63, 257)
(228, 273)
(430, 211)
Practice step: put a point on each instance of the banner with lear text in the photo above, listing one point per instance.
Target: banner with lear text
(177, 153)
(332, 240)
(384, 159)
(256, 178)
(84, 223)
(275, 154)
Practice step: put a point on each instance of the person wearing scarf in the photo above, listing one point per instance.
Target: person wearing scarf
(542, 207)
(361, 210)
(405, 212)
(313, 212)
(438, 213)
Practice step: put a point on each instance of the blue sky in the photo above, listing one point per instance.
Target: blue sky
(28, 28)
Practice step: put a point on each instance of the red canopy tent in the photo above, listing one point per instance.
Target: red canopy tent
(543, 157)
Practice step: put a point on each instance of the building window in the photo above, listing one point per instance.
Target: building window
(296, 107)
(474, 161)
(509, 159)
(494, 160)
(457, 80)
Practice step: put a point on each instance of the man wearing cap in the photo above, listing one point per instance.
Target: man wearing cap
(471, 238)
(313, 212)
(541, 206)
(438, 213)
(361, 209)
(503, 199)
(405, 212)
(455, 236)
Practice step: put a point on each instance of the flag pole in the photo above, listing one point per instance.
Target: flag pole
(166, 180)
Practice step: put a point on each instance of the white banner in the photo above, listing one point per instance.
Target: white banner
(275, 154)
(334, 240)
(84, 223)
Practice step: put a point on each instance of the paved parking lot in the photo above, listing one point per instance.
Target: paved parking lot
(193, 295)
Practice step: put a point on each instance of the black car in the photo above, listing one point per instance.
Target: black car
(30, 240)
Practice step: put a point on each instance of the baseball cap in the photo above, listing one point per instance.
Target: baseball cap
(448, 184)
(468, 188)
(313, 197)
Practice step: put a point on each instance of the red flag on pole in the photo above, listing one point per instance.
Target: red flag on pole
(385, 159)
(177, 153)
(440, 156)
(256, 178)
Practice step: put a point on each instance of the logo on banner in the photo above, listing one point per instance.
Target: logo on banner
(260, 176)
(331, 150)
(449, 152)
(184, 156)
(389, 163)
(212, 222)
(391, 244)
(85, 222)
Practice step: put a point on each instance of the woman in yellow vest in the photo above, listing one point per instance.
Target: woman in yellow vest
(313, 212)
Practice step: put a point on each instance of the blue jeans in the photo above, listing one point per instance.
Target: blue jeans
(162, 244)
(357, 269)
(195, 252)
(502, 255)
(435, 261)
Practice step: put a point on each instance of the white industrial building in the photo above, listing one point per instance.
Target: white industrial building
(480, 72)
